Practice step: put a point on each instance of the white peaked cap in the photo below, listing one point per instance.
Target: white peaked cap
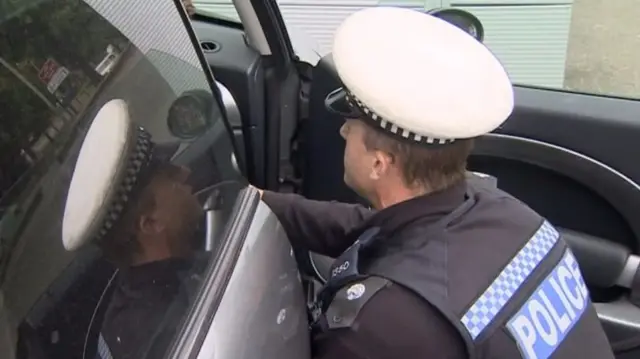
(420, 77)
(110, 158)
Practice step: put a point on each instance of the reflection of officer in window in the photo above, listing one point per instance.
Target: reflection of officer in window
(449, 266)
(139, 210)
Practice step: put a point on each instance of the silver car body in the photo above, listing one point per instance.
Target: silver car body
(263, 312)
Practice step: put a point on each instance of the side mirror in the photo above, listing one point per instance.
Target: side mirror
(189, 114)
(464, 20)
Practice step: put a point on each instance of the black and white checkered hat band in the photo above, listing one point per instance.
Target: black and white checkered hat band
(391, 127)
(138, 160)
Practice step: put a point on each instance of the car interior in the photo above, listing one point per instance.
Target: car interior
(566, 155)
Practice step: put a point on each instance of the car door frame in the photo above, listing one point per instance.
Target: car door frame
(217, 275)
(200, 326)
(197, 323)
(266, 33)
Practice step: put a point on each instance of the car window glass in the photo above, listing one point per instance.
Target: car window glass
(60, 62)
(223, 9)
(587, 46)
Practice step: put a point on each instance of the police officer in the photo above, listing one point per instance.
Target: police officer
(128, 199)
(448, 266)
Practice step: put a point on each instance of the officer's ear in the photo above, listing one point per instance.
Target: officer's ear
(149, 225)
(382, 163)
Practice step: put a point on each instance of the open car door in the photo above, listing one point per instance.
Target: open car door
(567, 150)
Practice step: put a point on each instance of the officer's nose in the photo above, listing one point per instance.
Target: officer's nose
(343, 130)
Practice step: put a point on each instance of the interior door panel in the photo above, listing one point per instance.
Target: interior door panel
(608, 195)
(240, 69)
(567, 155)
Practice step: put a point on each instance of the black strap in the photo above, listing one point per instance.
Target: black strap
(349, 301)
(346, 268)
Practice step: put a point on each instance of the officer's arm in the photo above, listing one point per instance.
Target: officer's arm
(318, 226)
(388, 321)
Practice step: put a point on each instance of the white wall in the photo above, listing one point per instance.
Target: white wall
(530, 40)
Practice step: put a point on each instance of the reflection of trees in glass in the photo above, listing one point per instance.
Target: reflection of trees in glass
(68, 31)
(23, 117)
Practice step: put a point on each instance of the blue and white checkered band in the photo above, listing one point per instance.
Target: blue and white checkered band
(495, 297)
(139, 159)
(390, 127)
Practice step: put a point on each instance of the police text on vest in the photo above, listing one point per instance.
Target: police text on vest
(557, 304)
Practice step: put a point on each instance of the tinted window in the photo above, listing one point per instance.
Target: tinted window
(60, 61)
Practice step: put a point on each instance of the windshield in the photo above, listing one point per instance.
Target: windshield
(60, 62)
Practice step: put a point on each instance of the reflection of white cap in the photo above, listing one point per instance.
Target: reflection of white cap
(112, 156)
(418, 77)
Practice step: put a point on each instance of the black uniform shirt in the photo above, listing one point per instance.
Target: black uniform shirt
(395, 322)
(146, 308)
